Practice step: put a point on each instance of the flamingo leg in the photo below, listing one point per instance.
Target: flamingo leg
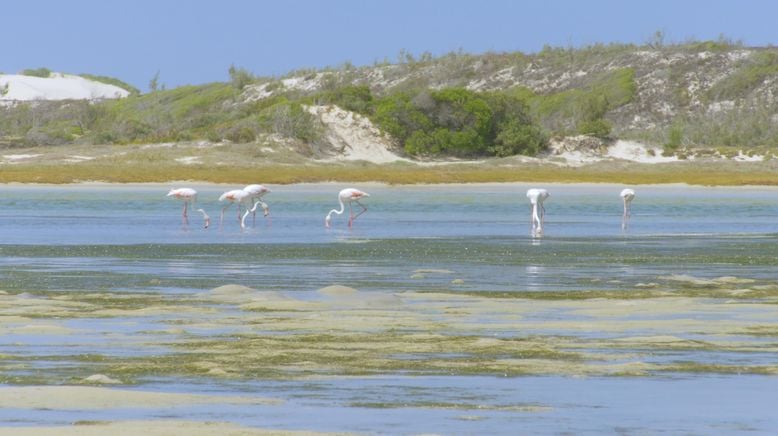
(350, 214)
(221, 217)
(625, 217)
(364, 209)
(186, 203)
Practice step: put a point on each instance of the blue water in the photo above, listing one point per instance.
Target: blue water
(132, 239)
(141, 214)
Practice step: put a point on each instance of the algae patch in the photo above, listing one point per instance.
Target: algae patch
(238, 332)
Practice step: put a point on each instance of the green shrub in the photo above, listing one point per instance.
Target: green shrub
(355, 98)
(599, 128)
(674, 138)
(518, 138)
(240, 77)
(579, 110)
(37, 72)
(112, 81)
(396, 115)
(459, 122)
(290, 119)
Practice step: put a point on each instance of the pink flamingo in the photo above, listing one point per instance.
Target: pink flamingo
(349, 195)
(187, 195)
(255, 193)
(235, 196)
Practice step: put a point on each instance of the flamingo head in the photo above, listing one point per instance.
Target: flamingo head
(265, 209)
(327, 221)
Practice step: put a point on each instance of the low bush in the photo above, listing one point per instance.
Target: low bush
(37, 72)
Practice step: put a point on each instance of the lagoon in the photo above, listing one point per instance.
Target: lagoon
(437, 312)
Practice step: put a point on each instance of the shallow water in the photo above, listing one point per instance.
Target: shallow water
(463, 239)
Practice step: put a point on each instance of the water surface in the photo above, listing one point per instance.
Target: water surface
(456, 239)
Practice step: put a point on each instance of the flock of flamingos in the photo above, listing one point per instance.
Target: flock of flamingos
(254, 193)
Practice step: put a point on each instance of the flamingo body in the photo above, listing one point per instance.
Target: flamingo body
(236, 196)
(256, 192)
(187, 195)
(348, 195)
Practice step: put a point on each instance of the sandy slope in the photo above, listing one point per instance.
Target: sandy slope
(353, 136)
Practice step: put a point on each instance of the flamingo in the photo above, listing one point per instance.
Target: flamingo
(255, 193)
(349, 195)
(187, 195)
(206, 218)
(234, 196)
(627, 195)
(537, 197)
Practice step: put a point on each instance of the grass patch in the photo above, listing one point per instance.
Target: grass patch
(160, 166)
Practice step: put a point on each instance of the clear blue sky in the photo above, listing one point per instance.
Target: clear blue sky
(195, 41)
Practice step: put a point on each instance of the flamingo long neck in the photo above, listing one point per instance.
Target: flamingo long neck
(342, 209)
(249, 212)
(206, 218)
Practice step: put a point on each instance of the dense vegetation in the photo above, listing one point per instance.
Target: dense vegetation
(428, 106)
(451, 121)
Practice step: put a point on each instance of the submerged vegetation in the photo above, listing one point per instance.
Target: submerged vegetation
(244, 333)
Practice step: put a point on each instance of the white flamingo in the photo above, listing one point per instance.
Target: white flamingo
(537, 217)
(627, 195)
(348, 195)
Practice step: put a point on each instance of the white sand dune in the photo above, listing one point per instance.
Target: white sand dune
(56, 87)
